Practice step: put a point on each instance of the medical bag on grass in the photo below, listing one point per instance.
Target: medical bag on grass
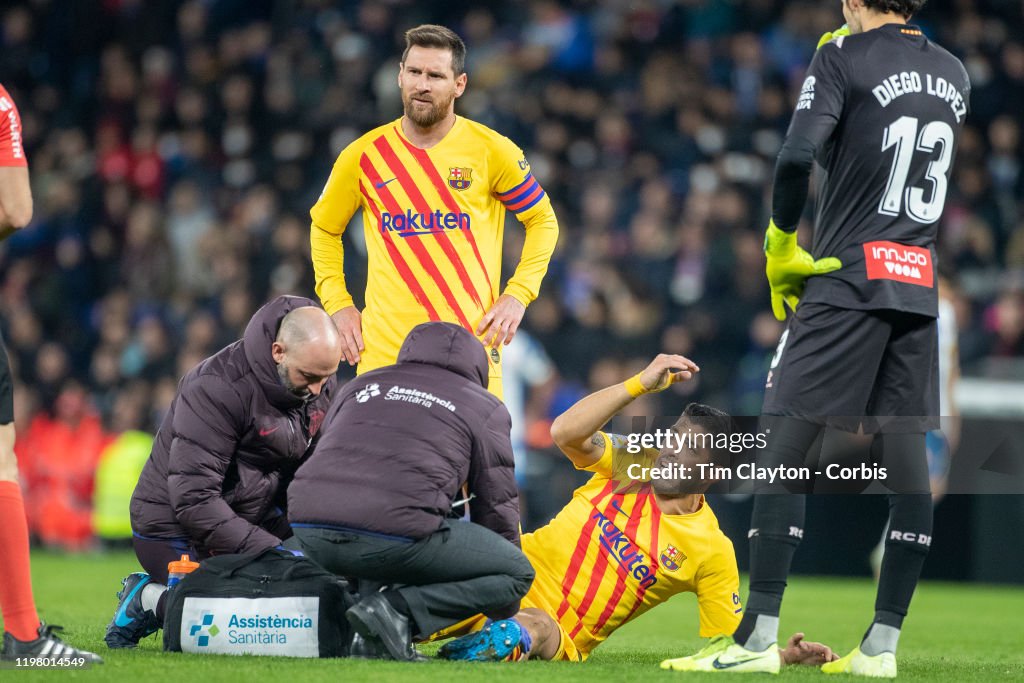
(270, 603)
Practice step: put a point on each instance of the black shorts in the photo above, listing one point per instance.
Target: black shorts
(6, 387)
(156, 553)
(839, 366)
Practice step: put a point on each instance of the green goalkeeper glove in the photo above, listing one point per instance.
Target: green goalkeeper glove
(788, 268)
(843, 30)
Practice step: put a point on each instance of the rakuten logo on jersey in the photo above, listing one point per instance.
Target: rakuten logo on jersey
(411, 223)
(892, 261)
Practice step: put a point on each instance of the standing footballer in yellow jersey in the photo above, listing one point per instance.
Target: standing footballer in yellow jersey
(434, 188)
(625, 543)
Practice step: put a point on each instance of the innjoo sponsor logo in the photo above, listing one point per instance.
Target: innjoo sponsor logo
(900, 262)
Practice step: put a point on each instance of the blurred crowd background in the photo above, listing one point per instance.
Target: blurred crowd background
(176, 147)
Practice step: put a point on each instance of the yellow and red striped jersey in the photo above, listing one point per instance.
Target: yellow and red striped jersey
(611, 554)
(433, 220)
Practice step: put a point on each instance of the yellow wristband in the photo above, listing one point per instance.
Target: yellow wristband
(634, 386)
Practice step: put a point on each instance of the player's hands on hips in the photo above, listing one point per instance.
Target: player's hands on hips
(843, 30)
(800, 651)
(501, 321)
(350, 325)
(666, 370)
(788, 268)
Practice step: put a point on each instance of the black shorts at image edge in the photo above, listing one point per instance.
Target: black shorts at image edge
(838, 366)
(6, 387)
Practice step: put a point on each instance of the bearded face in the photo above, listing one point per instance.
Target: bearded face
(429, 86)
(426, 109)
(285, 373)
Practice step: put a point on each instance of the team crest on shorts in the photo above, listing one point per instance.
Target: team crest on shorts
(460, 178)
(671, 558)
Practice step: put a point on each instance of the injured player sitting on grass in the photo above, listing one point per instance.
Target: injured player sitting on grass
(622, 546)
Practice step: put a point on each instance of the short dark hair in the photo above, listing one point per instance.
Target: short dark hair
(432, 35)
(904, 8)
(712, 421)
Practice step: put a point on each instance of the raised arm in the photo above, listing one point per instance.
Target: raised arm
(576, 430)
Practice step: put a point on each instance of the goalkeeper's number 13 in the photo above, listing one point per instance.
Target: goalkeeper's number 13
(904, 136)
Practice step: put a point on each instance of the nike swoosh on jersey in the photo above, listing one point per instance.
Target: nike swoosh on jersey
(266, 431)
(383, 183)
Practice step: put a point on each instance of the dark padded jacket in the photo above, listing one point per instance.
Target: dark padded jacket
(233, 437)
(400, 441)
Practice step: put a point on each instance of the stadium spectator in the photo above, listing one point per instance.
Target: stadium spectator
(376, 500)
(61, 454)
(243, 420)
(120, 465)
(527, 381)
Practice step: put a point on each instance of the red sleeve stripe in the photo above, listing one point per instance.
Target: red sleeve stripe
(510, 195)
(532, 197)
(423, 158)
(391, 204)
(421, 205)
(400, 265)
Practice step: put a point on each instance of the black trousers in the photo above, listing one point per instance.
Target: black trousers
(460, 570)
(155, 553)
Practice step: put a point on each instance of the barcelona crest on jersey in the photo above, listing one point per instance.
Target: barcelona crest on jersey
(671, 558)
(460, 178)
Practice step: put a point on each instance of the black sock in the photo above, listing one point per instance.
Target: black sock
(161, 607)
(906, 547)
(909, 534)
(776, 528)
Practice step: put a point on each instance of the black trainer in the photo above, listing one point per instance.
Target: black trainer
(48, 646)
(131, 621)
(375, 619)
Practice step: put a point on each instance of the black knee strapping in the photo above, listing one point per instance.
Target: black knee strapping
(780, 516)
(789, 440)
(905, 459)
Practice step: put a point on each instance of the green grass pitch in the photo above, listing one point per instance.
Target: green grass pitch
(959, 633)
